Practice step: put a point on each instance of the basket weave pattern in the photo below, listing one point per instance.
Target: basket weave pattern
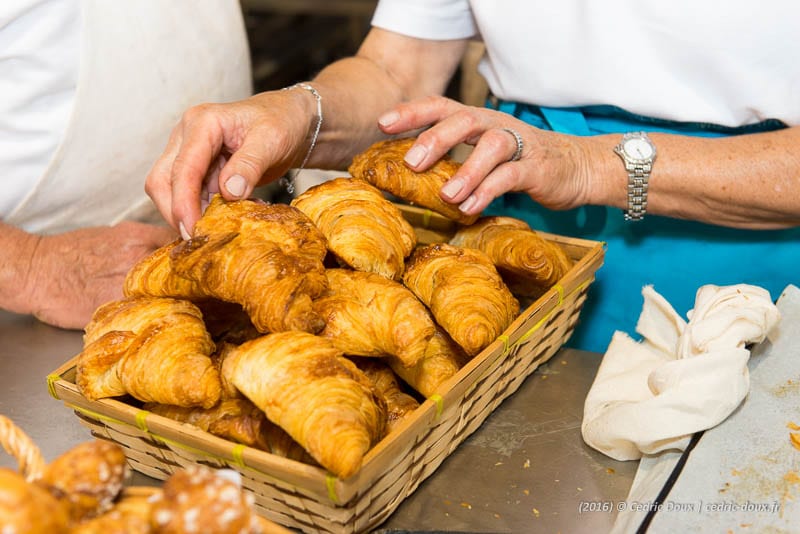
(306, 497)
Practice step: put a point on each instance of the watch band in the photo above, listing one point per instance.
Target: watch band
(638, 163)
(638, 177)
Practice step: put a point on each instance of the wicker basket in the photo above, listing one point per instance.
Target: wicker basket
(310, 499)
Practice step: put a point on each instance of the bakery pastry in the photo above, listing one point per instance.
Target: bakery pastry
(382, 165)
(130, 515)
(464, 292)
(442, 359)
(520, 254)
(364, 230)
(237, 420)
(29, 508)
(87, 478)
(399, 404)
(153, 276)
(266, 257)
(155, 349)
(321, 399)
(369, 315)
(198, 499)
(227, 322)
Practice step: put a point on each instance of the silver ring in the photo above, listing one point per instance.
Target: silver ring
(520, 145)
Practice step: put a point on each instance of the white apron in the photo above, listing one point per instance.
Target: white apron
(142, 64)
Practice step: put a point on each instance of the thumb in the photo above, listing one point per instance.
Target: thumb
(246, 168)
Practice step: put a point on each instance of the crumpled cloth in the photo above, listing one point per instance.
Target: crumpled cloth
(683, 377)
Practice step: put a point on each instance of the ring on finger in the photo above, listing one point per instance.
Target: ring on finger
(520, 145)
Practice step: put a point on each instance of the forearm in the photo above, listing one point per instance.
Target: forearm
(747, 181)
(16, 265)
(357, 90)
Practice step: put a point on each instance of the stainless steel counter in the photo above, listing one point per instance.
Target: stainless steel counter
(525, 470)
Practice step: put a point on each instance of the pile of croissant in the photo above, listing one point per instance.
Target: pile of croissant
(81, 492)
(311, 330)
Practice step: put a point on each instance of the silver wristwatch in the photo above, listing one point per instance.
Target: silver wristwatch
(638, 153)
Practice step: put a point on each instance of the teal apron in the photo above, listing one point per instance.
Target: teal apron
(675, 256)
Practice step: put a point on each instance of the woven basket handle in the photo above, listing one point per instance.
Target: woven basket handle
(20, 446)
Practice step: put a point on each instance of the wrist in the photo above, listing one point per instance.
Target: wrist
(608, 180)
(311, 101)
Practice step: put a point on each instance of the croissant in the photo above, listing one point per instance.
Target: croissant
(399, 404)
(153, 276)
(321, 399)
(464, 292)
(155, 349)
(87, 478)
(382, 165)
(369, 315)
(266, 257)
(518, 252)
(237, 420)
(442, 359)
(364, 230)
(29, 508)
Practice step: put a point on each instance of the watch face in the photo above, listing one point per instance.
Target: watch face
(638, 148)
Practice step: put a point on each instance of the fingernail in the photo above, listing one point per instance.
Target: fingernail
(184, 234)
(236, 185)
(415, 156)
(468, 204)
(453, 187)
(387, 119)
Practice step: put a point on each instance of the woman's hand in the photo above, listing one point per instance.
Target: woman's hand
(228, 148)
(554, 169)
(63, 278)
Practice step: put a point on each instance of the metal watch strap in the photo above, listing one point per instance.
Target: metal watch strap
(638, 176)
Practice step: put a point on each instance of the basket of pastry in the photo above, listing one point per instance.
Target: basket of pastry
(333, 350)
(82, 492)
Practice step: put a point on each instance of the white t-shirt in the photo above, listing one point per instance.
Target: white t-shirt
(730, 63)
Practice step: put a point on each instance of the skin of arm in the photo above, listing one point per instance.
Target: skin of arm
(393, 86)
(62, 278)
(242, 144)
(748, 181)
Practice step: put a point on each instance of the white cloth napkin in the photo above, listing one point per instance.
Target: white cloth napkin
(651, 396)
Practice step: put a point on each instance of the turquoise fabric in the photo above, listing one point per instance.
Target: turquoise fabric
(676, 257)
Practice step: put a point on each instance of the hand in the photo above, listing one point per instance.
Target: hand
(73, 273)
(554, 169)
(228, 148)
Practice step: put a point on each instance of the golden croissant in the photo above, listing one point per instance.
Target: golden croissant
(382, 165)
(518, 252)
(153, 276)
(442, 359)
(369, 315)
(399, 404)
(464, 292)
(321, 399)
(237, 420)
(266, 257)
(155, 349)
(364, 230)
